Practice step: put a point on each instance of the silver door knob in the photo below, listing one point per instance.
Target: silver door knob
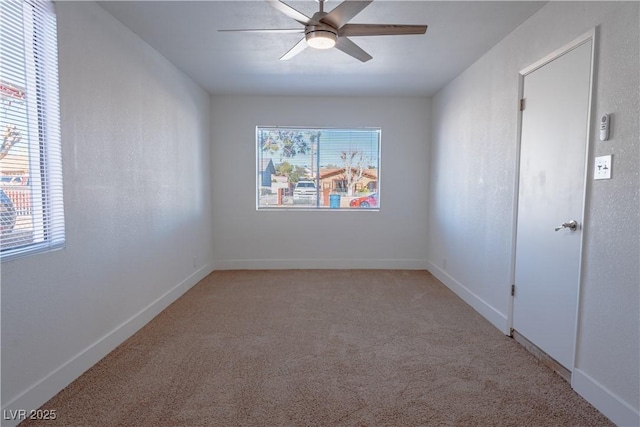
(571, 225)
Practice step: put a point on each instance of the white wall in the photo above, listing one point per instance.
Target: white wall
(136, 168)
(394, 237)
(472, 190)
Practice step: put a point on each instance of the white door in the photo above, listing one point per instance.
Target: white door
(551, 193)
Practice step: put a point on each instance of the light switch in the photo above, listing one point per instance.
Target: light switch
(602, 167)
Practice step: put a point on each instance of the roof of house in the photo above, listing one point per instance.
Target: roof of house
(330, 172)
(264, 164)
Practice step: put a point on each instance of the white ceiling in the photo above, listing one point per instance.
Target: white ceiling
(186, 33)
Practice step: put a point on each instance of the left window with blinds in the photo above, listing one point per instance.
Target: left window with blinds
(31, 206)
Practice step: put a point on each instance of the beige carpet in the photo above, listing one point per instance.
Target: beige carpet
(320, 348)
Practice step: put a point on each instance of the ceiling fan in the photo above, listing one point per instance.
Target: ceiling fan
(326, 30)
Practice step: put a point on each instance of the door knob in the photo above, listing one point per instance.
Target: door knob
(571, 225)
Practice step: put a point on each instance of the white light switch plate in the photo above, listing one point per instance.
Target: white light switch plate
(602, 167)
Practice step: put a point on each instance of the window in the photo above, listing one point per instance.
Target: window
(31, 216)
(301, 168)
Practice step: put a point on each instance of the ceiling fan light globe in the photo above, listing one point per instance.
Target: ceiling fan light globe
(321, 39)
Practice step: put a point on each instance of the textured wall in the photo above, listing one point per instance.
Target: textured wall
(394, 237)
(136, 156)
(472, 178)
(609, 336)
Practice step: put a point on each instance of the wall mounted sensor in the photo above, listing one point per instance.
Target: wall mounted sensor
(604, 127)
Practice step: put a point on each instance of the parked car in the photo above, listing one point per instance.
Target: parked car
(7, 213)
(305, 192)
(370, 201)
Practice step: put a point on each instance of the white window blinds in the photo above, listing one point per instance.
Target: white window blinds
(32, 215)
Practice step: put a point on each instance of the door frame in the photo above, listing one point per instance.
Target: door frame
(590, 35)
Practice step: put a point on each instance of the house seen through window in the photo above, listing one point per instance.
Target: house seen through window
(325, 168)
(31, 215)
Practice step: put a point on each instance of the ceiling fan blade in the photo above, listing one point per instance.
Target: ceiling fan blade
(267, 30)
(299, 47)
(380, 30)
(350, 48)
(344, 12)
(291, 12)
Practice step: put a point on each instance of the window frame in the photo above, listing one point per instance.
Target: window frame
(317, 206)
(42, 121)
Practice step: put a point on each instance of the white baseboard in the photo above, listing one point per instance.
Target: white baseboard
(314, 264)
(496, 318)
(614, 408)
(43, 390)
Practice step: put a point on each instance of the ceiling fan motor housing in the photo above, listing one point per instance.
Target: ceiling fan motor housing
(321, 36)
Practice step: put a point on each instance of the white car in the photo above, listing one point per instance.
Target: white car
(305, 192)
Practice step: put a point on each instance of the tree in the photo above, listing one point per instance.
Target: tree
(284, 169)
(286, 142)
(297, 174)
(353, 162)
(294, 174)
(10, 137)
